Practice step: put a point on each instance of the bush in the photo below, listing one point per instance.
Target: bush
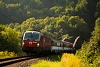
(90, 51)
(44, 63)
(97, 62)
(69, 60)
(6, 54)
(10, 40)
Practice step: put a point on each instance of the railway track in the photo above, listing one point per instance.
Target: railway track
(24, 61)
(9, 61)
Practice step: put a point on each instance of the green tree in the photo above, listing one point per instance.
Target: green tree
(97, 13)
(91, 50)
(86, 10)
(10, 40)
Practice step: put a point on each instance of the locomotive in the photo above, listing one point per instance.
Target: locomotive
(34, 42)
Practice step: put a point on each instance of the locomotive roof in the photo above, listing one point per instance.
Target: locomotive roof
(34, 31)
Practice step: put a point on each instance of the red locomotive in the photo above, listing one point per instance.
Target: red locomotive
(34, 42)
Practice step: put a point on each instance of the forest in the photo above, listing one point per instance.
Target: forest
(55, 18)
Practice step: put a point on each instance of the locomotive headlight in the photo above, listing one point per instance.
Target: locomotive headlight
(22, 44)
(38, 45)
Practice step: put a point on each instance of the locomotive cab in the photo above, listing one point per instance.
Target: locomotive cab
(34, 42)
(31, 39)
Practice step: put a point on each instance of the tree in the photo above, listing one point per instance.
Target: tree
(86, 10)
(10, 40)
(90, 52)
(97, 13)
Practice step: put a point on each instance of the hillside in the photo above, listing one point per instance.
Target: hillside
(18, 11)
(55, 18)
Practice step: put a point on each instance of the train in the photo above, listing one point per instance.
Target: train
(34, 42)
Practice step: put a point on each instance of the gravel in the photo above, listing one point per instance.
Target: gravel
(26, 63)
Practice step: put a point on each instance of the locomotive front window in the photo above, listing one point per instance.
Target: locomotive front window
(31, 36)
(35, 36)
(28, 36)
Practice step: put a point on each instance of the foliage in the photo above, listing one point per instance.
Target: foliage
(44, 63)
(6, 54)
(91, 50)
(56, 27)
(86, 9)
(2, 27)
(19, 11)
(67, 60)
(96, 62)
(57, 19)
(71, 25)
(22, 10)
(9, 40)
(72, 17)
(54, 58)
(97, 14)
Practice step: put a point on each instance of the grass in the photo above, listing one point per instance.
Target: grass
(45, 63)
(66, 60)
(6, 54)
(53, 58)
